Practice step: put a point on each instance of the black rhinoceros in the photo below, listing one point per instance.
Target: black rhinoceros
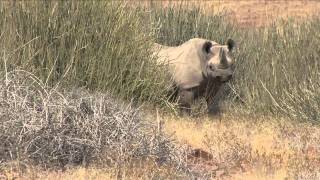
(199, 68)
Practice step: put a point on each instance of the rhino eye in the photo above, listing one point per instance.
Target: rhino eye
(207, 46)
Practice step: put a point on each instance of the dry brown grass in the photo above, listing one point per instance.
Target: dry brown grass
(253, 147)
(263, 12)
(253, 12)
(239, 148)
(77, 173)
(145, 170)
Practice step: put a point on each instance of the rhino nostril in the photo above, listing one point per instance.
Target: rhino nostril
(230, 76)
(211, 67)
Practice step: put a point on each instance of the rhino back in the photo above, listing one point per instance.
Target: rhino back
(183, 62)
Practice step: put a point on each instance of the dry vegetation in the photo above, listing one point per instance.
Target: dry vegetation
(51, 129)
(263, 12)
(231, 147)
(253, 147)
(52, 133)
(252, 13)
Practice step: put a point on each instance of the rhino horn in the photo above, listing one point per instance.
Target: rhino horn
(223, 58)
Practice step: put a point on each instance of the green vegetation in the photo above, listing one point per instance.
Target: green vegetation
(105, 46)
(99, 45)
(278, 69)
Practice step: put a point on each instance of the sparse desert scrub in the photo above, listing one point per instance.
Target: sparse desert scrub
(145, 170)
(239, 148)
(49, 128)
(248, 147)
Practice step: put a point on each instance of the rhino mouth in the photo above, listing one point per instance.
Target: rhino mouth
(225, 81)
(218, 75)
(222, 79)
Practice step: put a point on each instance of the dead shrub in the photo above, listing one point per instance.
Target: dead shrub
(41, 125)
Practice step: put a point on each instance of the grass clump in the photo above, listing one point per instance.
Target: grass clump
(99, 45)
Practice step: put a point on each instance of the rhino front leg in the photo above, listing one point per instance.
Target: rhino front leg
(186, 98)
(214, 101)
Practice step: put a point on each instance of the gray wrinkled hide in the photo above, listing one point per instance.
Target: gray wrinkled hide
(199, 68)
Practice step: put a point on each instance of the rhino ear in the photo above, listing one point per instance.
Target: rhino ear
(231, 44)
(207, 46)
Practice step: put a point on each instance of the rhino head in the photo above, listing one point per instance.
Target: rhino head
(218, 60)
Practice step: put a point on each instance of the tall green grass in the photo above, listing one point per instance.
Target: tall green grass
(101, 45)
(105, 46)
(279, 69)
(176, 25)
(278, 66)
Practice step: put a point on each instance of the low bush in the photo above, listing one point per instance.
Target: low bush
(40, 125)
